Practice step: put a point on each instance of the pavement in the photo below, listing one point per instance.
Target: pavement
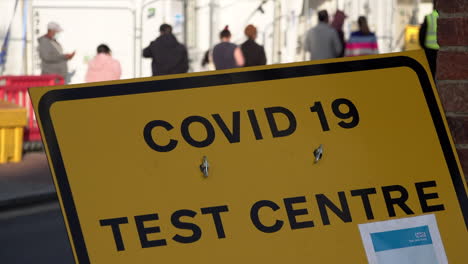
(32, 228)
(26, 183)
(34, 234)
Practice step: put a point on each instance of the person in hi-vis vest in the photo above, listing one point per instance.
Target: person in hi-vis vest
(428, 39)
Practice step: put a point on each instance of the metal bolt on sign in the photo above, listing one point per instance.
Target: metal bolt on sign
(318, 153)
(204, 166)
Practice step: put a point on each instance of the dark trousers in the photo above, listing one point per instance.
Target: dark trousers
(431, 55)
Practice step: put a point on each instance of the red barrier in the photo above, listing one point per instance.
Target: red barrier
(31, 81)
(14, 89)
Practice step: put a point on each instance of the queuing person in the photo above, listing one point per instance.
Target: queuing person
(337, 24)
(363, 41)
(428, 39)
(53, 60)
(227, 55)
(103, 67)
(322, 41)
(254, 54)
(169, 56)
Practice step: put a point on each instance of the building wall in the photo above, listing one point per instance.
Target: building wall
(452, 71)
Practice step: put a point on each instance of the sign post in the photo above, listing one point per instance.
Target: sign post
(297, 163)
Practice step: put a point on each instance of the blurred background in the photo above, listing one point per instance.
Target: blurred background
(128, 26)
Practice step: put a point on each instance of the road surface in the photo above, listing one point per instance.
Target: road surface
(35, 234)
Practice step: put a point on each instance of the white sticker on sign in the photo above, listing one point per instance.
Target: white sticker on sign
(413, 240)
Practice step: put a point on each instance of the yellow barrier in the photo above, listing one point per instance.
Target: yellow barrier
(12, 120)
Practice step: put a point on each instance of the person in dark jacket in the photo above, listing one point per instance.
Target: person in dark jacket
(227, 55)
(169, 56)
(254, 54)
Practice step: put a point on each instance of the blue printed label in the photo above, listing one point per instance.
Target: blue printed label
(403, 238)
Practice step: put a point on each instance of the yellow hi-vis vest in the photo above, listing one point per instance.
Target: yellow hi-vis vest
(431, 33)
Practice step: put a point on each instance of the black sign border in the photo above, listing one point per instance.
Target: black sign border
(48, 99)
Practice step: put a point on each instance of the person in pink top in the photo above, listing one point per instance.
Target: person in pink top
(103, 67)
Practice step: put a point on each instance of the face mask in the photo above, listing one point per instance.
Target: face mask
(58, 35)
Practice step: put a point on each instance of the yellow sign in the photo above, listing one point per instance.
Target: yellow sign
(412, 37)
(272, 164)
